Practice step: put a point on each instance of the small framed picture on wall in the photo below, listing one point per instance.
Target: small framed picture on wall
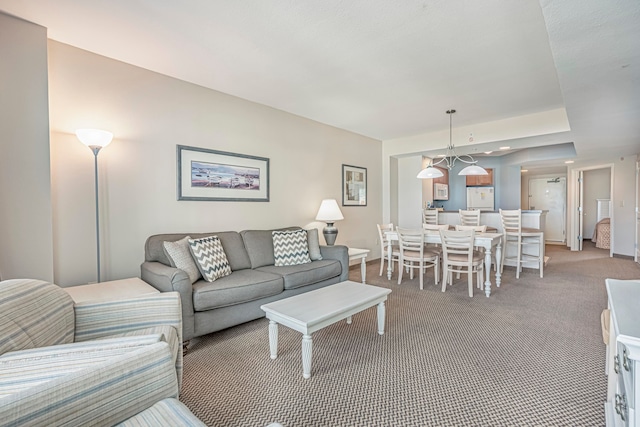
(354, 186)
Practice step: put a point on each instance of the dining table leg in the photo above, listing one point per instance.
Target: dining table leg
(498, 263)
(487, 269)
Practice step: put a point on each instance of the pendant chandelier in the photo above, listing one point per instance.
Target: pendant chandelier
(449, 160)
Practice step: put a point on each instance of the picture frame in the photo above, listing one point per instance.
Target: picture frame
(354, 186)
(212, 175)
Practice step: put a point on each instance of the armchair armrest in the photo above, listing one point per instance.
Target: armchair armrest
(340, 253)
(95, 386)
(99, 320)
(168, 279)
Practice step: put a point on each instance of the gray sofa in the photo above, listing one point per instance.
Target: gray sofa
(255, 280)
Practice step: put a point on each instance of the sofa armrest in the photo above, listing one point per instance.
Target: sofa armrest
(340, 253)
(169, 279)
(88, 387)
(99, 320)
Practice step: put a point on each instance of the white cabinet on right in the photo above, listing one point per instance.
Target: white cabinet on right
(623, 353)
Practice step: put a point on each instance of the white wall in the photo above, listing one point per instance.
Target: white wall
(149, 114)
(409, 192)
(26, 248)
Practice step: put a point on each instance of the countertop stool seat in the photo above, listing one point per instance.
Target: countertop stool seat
(514, 234)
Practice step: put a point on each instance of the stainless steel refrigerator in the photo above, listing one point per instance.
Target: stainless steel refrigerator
(481, 198)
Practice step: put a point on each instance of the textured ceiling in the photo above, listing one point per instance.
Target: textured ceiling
(379, 68)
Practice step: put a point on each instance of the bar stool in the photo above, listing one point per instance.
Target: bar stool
(514, 234)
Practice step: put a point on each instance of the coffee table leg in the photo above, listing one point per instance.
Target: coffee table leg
(381, 315)
(273, 339)
(306, 355)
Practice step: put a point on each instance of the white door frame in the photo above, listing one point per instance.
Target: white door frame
(637, 251)
(573, 198)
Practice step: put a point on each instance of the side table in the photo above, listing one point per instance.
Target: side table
(355, 254)
(114, 290)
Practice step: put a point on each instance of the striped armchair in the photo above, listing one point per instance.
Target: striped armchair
(91, 363)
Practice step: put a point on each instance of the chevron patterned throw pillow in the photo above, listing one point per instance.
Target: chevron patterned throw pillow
(290, 247)
(210, 257)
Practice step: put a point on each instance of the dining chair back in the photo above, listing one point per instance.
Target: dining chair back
(459, 256)
(414, 254)
(515, 235)
(469, 217)
(430, 216)
(384, 242)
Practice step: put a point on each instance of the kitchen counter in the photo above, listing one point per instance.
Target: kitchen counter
(530, 219)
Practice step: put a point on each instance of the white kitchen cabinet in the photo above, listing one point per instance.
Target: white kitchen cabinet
(623, 353)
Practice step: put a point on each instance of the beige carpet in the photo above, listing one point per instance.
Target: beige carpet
(530, 355)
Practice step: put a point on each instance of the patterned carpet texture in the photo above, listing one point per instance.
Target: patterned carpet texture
(530, 355)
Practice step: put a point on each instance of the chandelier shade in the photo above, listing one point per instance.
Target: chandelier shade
(449, 161)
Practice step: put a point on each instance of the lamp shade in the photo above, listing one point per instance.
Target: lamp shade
(429, 172)
(473, 170)
(329, 211)
(94, 137)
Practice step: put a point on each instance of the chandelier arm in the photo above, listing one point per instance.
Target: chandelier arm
(469, 162)
(439, 162)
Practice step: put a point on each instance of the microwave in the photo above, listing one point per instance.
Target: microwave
(440, 191)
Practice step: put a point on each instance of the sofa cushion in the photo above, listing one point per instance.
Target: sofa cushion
(296, 276)
(240, 286)
(210, 257)
(179, 256)
(231, 242)
(290, 247)
(259, 246)
(82, 386)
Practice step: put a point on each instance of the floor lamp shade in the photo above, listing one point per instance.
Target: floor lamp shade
(95, 139)
(329, 212)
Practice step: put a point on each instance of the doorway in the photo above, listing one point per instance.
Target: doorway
(589, 185)
(550, 194)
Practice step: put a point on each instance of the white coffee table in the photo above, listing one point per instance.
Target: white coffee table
(312, 311)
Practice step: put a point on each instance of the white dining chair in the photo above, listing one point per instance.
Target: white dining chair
(384, 242)
(414, 254)
(430, 216)
(478, 229)
(459, 256)
(469, 217)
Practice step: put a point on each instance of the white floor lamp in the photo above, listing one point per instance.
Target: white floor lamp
(95, 139)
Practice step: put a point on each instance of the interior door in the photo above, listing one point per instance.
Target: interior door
(550, 194)
(580, 209)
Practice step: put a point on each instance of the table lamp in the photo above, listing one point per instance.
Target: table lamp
(329, 212)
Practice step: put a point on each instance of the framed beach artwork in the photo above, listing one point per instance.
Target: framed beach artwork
(354, 186)
(214, 175)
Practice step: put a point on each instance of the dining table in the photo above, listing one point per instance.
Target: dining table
(489, 241)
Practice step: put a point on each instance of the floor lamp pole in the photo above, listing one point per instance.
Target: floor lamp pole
(96, 150)
(95, 139)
